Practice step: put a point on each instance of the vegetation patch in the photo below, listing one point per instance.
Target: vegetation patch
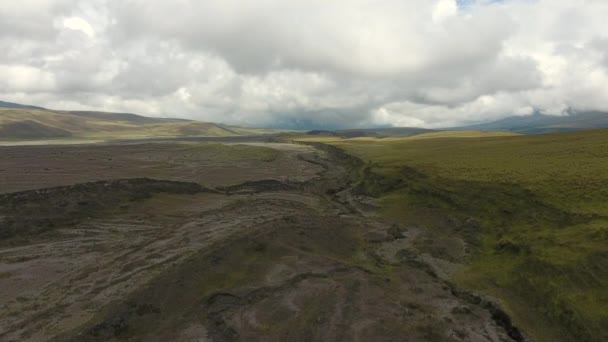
(532, 209)
(238, 152)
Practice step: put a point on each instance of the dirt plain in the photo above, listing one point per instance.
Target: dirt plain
(182, 241)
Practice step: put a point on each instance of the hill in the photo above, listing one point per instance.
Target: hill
(20, 122)
(540, 123)
(16, 105)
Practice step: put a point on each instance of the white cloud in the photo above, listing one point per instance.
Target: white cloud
(79, 24)
(23, 78)
(305, 63)
(444, 9)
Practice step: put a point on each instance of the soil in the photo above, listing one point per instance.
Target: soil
(214, 250)
(35, 167)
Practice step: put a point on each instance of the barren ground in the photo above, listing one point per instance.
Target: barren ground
(195, 242)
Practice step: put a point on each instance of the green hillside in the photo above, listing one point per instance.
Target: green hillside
(533, 211)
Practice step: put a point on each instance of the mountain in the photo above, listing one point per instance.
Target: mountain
(373, 132)
(16, 105)
(540, 123)
(19, 122)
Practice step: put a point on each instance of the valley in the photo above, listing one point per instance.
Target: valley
(226, 171)
(464, 235)
(217, 242)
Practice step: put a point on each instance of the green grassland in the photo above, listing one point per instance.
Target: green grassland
(533, 208)
(235, 152)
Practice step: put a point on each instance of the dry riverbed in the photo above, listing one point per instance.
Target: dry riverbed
(189, 242)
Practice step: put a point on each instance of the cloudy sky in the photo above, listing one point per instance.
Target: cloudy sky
(308, 63)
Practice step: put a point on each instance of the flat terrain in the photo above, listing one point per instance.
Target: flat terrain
(207, 163)
(531, 211)
(215, 242)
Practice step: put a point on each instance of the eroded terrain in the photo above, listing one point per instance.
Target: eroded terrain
(198, 242)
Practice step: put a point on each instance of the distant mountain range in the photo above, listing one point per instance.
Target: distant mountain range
(16, 105)
(373, 132)
(19, 122)
(23, 122)
(540, 123)
(528, 124)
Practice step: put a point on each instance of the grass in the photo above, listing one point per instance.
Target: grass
(534, 208)
(236, 152)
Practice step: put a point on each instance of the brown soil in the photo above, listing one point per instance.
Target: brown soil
(271, 257)
(35, 167)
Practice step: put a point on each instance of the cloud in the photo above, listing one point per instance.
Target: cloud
(314, 63)
(25, 78)
(79, 24)
(444, 9)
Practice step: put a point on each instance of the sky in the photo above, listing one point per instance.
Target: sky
(308, 63)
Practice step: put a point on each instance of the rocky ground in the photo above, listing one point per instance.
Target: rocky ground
(266, 250)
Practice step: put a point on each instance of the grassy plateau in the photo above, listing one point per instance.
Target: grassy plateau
(532, 209)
